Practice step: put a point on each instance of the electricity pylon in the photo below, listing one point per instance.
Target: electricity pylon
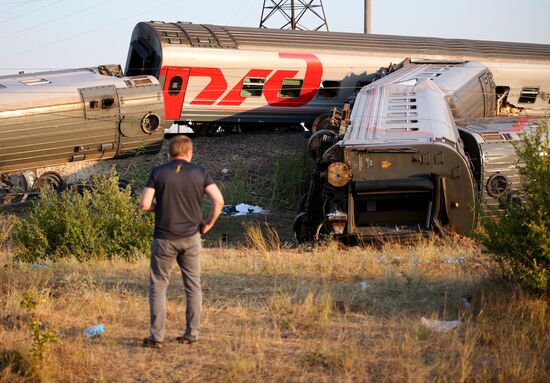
(305, 15)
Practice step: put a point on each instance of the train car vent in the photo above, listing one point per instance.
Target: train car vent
(433, 72)
(175, 41)
(528, 95)
(140, 81)
(35, 81)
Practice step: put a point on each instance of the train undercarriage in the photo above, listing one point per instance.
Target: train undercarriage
(412, 155)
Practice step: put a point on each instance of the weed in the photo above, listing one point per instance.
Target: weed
(238, 190)
(42, 338)
(15, 362)
(30, 300)
(101, 223)
(520, 237)
(288, 181)
(262, 237)
(6, 225)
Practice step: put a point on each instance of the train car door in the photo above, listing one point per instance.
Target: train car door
(101, 112)
(175, 86)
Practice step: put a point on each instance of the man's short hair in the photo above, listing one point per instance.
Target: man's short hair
(179, 146)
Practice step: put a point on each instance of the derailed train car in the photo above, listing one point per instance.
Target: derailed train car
(56, 117)
(233, 76)
(421, 148)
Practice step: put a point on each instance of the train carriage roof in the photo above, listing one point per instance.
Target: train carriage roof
(213, 36)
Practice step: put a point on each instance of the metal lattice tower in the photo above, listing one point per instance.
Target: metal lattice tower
(305, 15)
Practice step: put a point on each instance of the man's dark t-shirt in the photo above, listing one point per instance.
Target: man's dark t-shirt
(179, 188)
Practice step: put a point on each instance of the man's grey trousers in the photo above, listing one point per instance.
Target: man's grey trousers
(186, 252)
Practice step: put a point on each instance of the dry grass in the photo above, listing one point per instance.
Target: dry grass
(318, 314)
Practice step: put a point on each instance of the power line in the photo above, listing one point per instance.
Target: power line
(89, 31)
(54, 20)
(28, 13)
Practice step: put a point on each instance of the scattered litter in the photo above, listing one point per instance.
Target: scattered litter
(454, 261)
(440, 325)
(39, 266)
(225, 171)
(382, 258)
(364, 285)
(93, 331)
(242, 209)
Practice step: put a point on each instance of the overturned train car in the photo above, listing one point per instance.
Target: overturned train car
(56, 117)
(420, 149)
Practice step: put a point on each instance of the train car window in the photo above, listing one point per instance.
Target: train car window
(35, 81)
(175, 86)
(252, 87)
(291, 88)
(329, 89)
(528, 95)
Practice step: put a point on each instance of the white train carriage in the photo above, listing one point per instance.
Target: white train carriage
(230, 75)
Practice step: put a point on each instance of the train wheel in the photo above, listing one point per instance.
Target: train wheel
(319, 142)
(51, 179)
(317, 122)
(302, 203)
(304, 228)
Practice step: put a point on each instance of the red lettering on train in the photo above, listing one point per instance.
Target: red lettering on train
(310, 85)
(215, 88)
(234, 97)
(177, 78)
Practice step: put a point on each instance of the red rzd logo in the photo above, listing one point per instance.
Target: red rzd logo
(176, 79)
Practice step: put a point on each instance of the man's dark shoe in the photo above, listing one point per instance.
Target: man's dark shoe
(151, 343)
(188, 339)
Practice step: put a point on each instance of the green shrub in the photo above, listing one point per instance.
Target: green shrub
(98, 223)
(520, 236)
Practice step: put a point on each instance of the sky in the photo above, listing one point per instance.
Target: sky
(55, 34)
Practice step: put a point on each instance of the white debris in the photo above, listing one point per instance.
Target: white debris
(364, 285)
(242, 209)
(440, 325)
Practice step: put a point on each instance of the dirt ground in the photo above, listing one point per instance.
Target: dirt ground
(251, 151)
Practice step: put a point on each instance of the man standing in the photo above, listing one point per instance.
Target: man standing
(178, 188)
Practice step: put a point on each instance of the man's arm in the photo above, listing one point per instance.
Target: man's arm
(215, 196)
(146, 202)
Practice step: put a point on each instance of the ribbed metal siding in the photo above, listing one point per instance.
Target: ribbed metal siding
(50, 137)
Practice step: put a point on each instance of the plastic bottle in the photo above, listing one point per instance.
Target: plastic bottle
(94, 331)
